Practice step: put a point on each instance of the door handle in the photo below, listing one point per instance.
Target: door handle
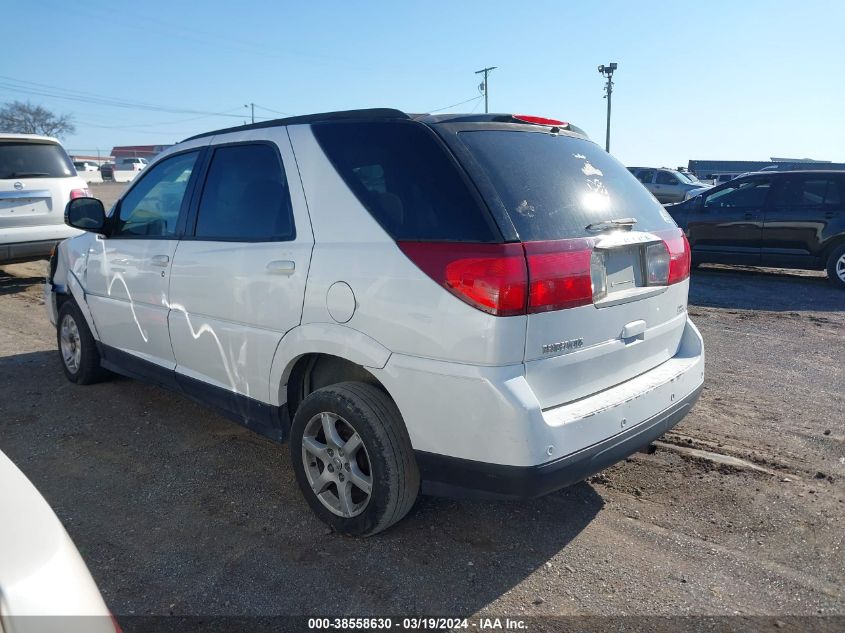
(159, 260)
(749, 216)
(281, 267)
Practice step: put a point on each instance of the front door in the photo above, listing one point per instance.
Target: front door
(238, 282)
(129, 271)
(727, 226)
(667, 187)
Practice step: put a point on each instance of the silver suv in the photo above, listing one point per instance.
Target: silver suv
(667, 185)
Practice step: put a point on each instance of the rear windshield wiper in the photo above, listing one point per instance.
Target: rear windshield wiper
(28, 174)
(627, 223)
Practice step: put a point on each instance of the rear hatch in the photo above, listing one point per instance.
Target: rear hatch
(36, 178)
(607, 266)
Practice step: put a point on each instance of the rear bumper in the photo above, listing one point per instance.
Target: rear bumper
(26, 251)
(455, 477)
(483, 430)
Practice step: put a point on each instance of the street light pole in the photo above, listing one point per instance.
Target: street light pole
(485, 71)
(607, 71)
(252, 106)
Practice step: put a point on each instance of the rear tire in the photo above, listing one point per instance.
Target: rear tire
(77, 349)
(836, 267)
(353, 458)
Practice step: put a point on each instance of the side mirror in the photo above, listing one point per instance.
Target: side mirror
(87, 214)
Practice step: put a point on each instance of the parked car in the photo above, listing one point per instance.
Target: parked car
(42, 573)
(37, 178)
(107, 171)
(786, 219)
(667, 185)
(85, 165)
(130, 164)
(494, 306)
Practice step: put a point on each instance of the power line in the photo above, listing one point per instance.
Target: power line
(44, 90)
(272, 110)
(454, 105)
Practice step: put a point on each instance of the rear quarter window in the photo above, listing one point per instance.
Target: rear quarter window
(407, 180)
(553, 186)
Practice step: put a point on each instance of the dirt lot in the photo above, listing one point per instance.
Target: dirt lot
(177, 510)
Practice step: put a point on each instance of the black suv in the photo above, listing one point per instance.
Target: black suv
(791, 219)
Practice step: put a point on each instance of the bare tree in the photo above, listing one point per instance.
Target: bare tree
(24, 118)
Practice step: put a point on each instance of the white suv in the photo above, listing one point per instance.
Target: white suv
(467, 305)
(37, 178)
(131, 164)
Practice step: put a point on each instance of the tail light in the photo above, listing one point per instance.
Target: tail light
(490, 277)
(532, 277)
(678, 252)
(538, 120)
(509, 279)
(80, 193)
(559, 274)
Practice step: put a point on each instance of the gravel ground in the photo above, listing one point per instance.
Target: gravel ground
(739, 510)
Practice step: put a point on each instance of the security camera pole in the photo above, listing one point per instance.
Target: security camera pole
(607, 71)
(483, 86)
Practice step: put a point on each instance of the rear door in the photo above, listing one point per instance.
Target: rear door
(795, 224)
(561, 193)
(727, 226)
(239, 276)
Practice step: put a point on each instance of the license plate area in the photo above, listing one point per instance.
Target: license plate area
(618, 270)
(623, 268)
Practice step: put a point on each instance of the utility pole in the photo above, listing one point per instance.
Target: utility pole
(607, 71)
(483, 85)
(252, 106)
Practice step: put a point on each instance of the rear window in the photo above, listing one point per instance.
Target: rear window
(553, 186)
(407, 181)
(34, 160)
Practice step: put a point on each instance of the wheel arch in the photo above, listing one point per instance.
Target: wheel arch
(334, 351)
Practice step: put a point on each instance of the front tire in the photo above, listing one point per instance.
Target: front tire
(353, 459)
(77, 349)
(836, 267)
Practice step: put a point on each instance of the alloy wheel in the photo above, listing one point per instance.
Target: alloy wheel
(71, 344)
(337, 465)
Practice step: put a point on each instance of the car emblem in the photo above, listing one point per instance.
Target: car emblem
(18, 185)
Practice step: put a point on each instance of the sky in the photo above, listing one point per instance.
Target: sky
(741, 80)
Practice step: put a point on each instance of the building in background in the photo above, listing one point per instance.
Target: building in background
(137, 151)
(711, 169)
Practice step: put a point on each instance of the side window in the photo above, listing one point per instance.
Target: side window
(811, 191)
(745, 194)
(646, 176)
(152, 206)
(245, 197)
(405, 179)
(666, 178)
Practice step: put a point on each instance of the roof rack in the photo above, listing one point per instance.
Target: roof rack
(341, 115)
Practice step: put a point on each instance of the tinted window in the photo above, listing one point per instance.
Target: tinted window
(812, 191)
(406, 180)
(34, 160)
(666, 178)
(748, 193)
(646, 176)
(553, 186)
(151, 208)
(245, 197)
